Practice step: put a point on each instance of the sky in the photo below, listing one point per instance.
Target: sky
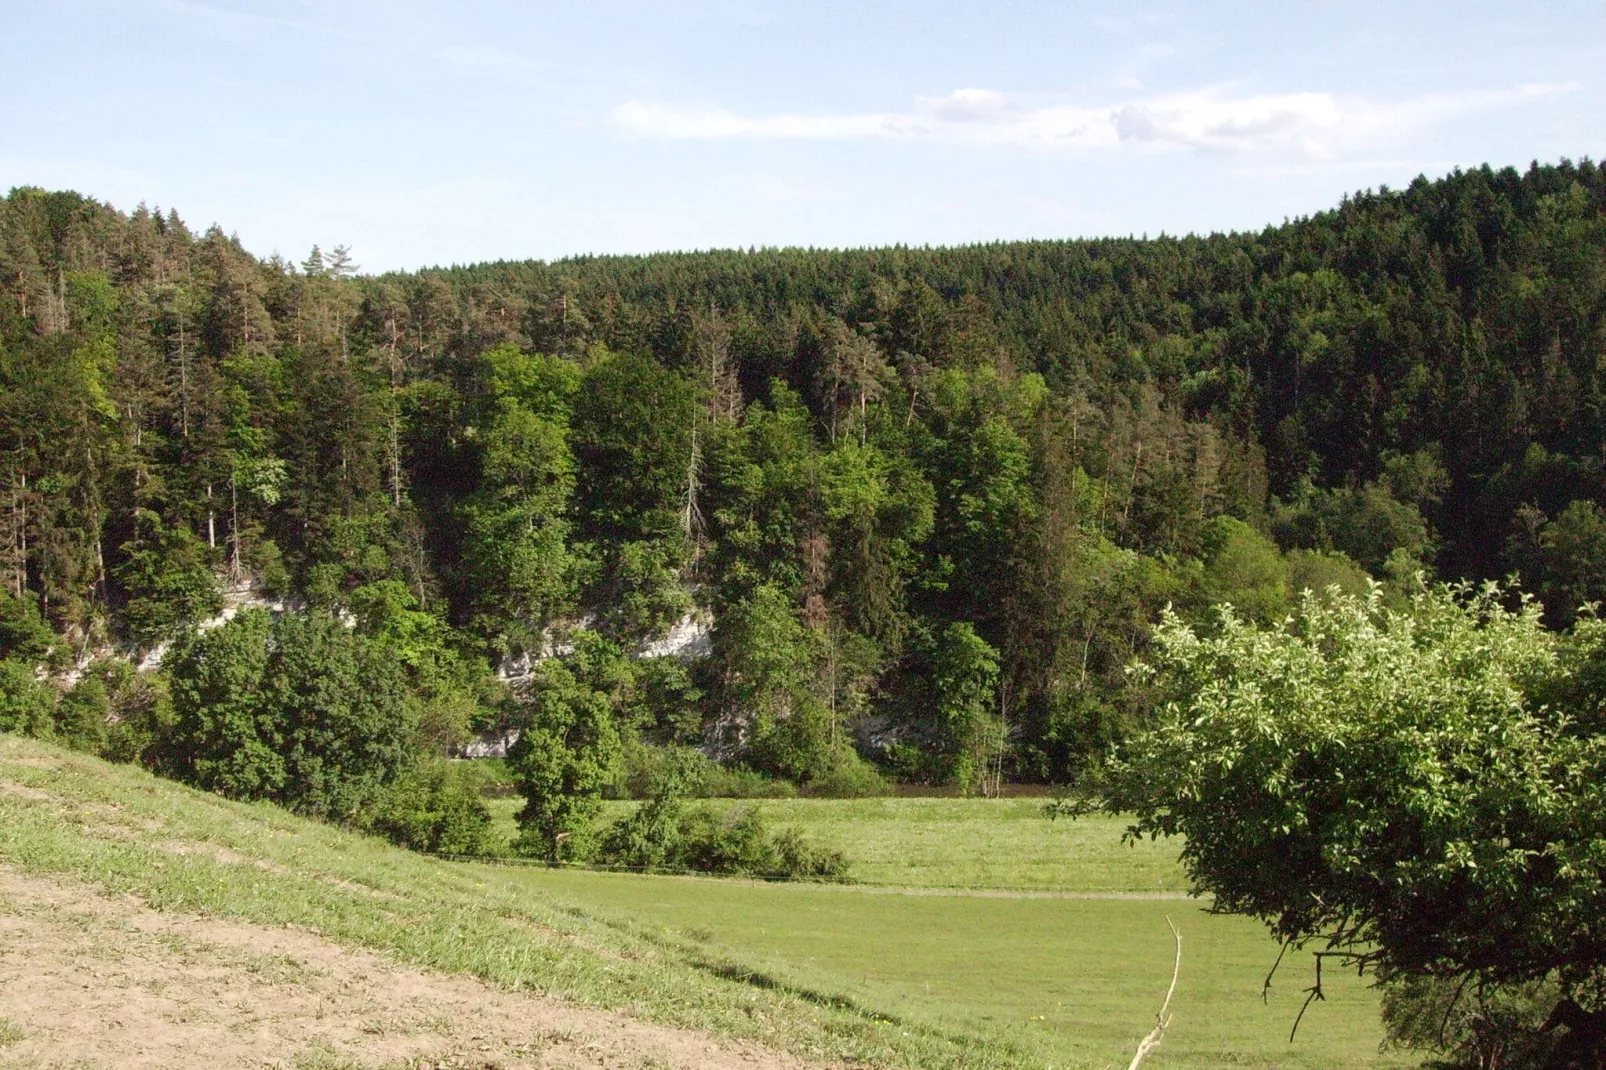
(437, 133)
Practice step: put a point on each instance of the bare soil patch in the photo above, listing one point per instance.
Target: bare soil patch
(91, 981)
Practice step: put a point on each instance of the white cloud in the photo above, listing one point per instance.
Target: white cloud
(1313, 125)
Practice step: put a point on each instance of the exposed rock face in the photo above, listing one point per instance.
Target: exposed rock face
(689, 638)
(495, 745)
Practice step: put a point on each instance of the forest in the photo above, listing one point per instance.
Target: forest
(917, 508)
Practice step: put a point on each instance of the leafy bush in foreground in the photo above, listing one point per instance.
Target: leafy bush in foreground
(1417, 790)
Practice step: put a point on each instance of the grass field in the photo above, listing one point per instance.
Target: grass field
(1004, 844)
(855, 974)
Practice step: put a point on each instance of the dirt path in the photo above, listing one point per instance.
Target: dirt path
(91, 981)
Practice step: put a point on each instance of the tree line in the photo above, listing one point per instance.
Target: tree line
(930, 501)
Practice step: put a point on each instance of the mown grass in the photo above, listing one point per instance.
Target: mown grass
(849, 974)
(1073, 981)
(958, 843)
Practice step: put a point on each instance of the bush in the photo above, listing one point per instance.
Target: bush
(663, 835)
(81, 716)
(437, 808)
(650, 838)
(27, 705)
(739, 842)
(850, 777)
(301, 710)
(740, 782)
(644, 764)
(735, 842)
(142, 715)
(799, 860)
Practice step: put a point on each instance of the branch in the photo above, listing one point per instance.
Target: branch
(1315, 991)
(1265, 986)
(1163, 1019)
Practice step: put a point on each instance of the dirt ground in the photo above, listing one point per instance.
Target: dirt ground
(90, 981)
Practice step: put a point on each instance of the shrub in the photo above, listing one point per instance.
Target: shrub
(650, 838)
(142, 716)
(798, 859)
(663, 834)
(644, 763)
(437, 808)
(81, 716)
(27, 705)
(739, 782)
(735, 842)
(850, 777)
(301, 710)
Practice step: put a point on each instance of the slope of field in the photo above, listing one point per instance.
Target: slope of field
(103, 981)
(837, 975)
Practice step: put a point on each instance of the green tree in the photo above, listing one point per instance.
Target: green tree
(302, 710)
(1317, 570)
(344, 711)
(632, 436)
(24, 635)
(965, 680)
(1369, 525)
(1243, 568)
(1571, 570)
(223, 739)
(1414, 790)
(168, 576)
(517, 553)
(568, 750)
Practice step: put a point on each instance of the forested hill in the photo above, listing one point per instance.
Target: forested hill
(917, 490)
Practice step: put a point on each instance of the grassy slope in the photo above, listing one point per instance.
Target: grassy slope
(918, 980)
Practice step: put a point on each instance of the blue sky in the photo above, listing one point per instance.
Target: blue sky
(426, 133)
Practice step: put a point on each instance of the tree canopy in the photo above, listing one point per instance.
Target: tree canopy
(1042, 442)
(1413, 788)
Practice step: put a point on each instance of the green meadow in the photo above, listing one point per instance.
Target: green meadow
(984, 935)
(1003, 844)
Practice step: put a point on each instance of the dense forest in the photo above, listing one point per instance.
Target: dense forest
(927, 503)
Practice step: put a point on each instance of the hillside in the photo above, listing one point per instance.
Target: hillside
(243, 889)
(145, 923)
(930, 500)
